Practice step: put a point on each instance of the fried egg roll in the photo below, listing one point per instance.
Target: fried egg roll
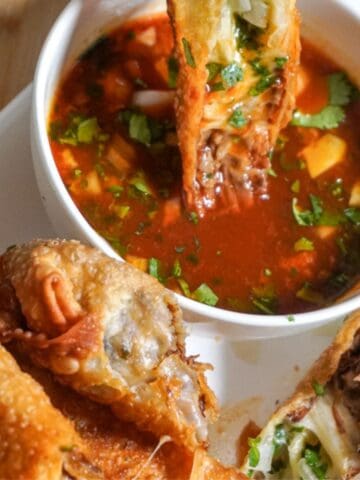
(36, 441)
(109, 331)
(236, 91)
(316, 433)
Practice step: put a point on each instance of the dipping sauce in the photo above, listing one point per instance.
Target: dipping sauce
(113, 137)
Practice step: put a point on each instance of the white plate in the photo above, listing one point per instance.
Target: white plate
(248, 377)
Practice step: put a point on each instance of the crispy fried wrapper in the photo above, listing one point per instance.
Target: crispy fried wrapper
(109, 331)
(236, 91)
(36, 441)
(316, 433)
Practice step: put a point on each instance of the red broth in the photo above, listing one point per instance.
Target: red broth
(122, 168)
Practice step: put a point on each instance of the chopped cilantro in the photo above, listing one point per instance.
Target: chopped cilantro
(123, 211)
(232, 74)
(88, 130)
(303, 245)
(254, 452)
(258, 67)
(176, 270)
(140, 184)
(154, 268)
(340, 89)
(340, 92)
(193, 217)
(313, 460)
(308, 218)
(309, 295)
(184, 287)
(214, 69)
(290, 318)
(173, 70)
(330, 117)
(271, 172)
(295, 186)
(265, 82)
(204, 294)
(280, 62)
(217, 87)
(353, 214)
(237, 119)
(116, 190)
(246, 34)
(139, 128)
(188, 53)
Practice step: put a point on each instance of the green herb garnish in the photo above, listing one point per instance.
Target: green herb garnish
(232, 74)
(154, 268)
(254, 452)
(237, 119)
(340, 91)
(214, 69)
(204, 294)
(139, 128)
(318, 388)
(184, 287)
(190, 60)
(303, 245)
(295, 186)
(116, 190)
(314, 461)
(353, 214)
(280, 62)
(177, 270)
(193, 217)
(173, 70)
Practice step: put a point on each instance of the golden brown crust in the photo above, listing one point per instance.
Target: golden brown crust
(213, 168)
(81, 308)
(36, 441)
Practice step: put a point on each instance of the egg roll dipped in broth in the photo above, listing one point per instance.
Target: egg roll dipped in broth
(316, 433)
(109, 331)
(236, 91)
(36, 441)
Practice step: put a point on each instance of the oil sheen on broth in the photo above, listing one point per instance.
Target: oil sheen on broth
(113, 137)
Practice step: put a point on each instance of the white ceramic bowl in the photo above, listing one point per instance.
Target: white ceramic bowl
(333, 25)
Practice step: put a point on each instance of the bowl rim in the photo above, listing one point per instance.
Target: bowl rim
(44, 155)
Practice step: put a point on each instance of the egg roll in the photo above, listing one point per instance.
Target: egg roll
(316, 433)
(111, 332)
(236, 91)
(36, 441)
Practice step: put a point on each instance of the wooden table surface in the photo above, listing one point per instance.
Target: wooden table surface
(24, 25)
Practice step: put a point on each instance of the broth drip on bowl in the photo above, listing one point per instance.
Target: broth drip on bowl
(114, 141)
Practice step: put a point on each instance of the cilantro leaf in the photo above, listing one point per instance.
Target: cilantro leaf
(237, 119)
(254, 452)
(184, 287)
(190, 60)
(314, 461)
(330, 117)
(154, 268)
(173, 71)
(139, 128)
(204, 294)
(214, 69)
(340, 89)
(353, 214)
(318, 388)
(177, 270)
(304, 245)
(232, 74)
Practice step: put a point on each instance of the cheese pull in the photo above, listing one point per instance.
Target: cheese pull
(315, 434)
(111, 332)
(236, 91)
